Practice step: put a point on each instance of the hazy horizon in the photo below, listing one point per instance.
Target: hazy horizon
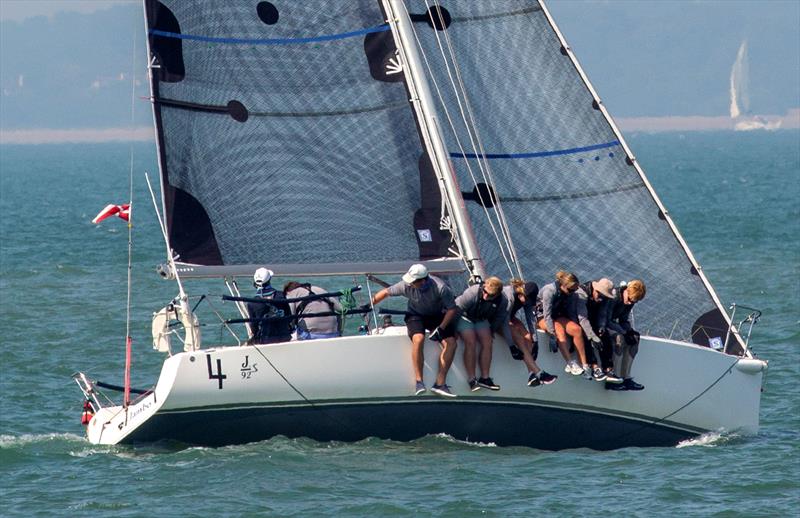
(668, 70)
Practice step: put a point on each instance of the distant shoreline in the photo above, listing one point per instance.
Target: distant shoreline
(627, 124)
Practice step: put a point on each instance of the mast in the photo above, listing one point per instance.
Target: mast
(431, 134)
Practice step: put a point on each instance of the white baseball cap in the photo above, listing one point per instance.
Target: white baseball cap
(415, 273)
(262, 277)
(605, 287)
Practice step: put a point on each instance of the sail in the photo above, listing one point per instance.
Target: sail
(740, 97)
(285, 136)
(571, 196)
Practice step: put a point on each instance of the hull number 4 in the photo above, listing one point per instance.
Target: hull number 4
(219, 376)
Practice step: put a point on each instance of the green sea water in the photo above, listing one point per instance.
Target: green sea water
(735, 197)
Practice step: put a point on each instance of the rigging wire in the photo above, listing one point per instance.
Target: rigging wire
(486, 170)
(127, 377)
(501, 241)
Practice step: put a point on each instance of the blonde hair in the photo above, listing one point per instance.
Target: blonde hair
(566, 279)
(636, 290)
(518, 285)
(493, 285)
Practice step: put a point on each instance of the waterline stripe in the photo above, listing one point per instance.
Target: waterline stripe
(538, 154)
(270, 41)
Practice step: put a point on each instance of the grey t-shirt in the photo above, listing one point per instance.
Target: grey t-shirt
(495, 311)
(326, 325)
(432, 298)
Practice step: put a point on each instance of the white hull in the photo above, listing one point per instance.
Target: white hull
(353, 387)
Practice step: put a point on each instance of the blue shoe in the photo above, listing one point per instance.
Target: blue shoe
(442, 390)
(420, 388)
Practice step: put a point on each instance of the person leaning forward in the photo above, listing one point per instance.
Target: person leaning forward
(622, 336)
(483, 308)
(431, 306)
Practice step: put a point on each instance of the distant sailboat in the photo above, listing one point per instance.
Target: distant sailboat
(740, 96)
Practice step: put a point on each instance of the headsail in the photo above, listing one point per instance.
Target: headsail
(285, 136)
(571, 195)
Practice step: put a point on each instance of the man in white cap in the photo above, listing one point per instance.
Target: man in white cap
(431, 307)
(270, 321)
(589, 306)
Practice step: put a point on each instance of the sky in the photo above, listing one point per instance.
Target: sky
(69, 65)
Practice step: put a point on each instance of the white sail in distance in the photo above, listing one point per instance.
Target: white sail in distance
(740, 98)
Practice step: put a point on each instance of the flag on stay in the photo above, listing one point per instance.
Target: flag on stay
(122, 211)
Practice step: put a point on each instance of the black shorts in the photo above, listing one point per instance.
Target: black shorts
(417, 324)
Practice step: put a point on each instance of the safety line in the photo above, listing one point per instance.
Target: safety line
(270, 41)
(537, 154)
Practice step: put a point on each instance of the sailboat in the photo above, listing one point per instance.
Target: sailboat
(350, 140)
(740, 97)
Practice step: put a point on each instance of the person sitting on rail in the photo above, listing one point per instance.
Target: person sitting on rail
(588, 306)
(551, 311)
(483, 307)
(270, 322)
(524, 345)
(312, 327)
(621, 335)
(430, 307)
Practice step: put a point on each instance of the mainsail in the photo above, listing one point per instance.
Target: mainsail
(526, 123)
(285, 136)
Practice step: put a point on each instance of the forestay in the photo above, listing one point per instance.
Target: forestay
(571, 196)
(285, 136)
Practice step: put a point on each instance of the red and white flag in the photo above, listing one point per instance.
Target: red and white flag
(122, 211)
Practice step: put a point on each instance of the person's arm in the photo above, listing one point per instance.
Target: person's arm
(450, 315)
(530, 320)
(547, 309)
(601, 318)
(380, 296)
(583, 319)
(624, 319)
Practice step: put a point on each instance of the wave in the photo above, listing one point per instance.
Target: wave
(12, 441)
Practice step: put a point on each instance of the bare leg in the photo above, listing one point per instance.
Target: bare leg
(446, 359)
(485, 338)
(523, 341)
(417, 357)
(470, 342)
(560, 326)
(575, 331)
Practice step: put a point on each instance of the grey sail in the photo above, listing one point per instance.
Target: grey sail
(285, 136)
(571, 196)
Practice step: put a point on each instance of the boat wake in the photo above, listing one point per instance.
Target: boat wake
(710, 439)
(453, 440)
